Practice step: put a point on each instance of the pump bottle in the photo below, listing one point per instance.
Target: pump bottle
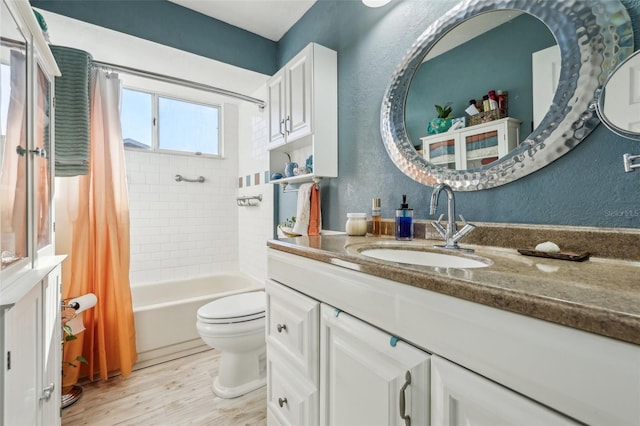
(404, 221)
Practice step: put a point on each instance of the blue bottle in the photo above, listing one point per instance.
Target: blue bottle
(404, 221)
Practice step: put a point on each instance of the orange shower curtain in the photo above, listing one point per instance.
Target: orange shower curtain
(93, 229)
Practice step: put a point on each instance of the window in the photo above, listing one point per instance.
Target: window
(160, 123)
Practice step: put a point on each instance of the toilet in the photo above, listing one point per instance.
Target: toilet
(235, 325)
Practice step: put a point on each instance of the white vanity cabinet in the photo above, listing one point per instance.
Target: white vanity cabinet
(369, 377)
(527, 370)
(303, 113)
(472, 146)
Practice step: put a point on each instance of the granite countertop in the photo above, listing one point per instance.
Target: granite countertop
(598, 295)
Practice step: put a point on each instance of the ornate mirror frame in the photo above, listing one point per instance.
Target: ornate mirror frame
(593, 36)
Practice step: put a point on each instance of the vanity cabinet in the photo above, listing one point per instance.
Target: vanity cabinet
(30, 328)
(303, 114)
(526, 370)
(474, 146)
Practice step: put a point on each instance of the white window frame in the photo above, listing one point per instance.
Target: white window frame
(193, 96)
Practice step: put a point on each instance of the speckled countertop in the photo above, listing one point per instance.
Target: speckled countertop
(599, 295)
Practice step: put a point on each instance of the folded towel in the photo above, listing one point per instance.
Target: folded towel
(303, 211)
(72, 111)
(315, 216)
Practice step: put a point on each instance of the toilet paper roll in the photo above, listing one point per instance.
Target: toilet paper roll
(84, 302)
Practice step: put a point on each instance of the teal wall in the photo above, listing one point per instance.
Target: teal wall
(173, 25)
(586, 187)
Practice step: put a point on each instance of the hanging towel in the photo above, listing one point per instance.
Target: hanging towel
(315, 216)
(72, 111)
(303, 211)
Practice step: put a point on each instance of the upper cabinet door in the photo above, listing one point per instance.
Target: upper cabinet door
(276, 100)
(13, 147)
(367, 377)
(41, 163)
(299, 85)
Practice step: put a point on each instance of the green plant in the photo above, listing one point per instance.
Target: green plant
(288, 156)
(443, 111)
(289, 222)
(68, 337)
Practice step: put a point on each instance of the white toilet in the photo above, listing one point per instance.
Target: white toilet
(235, 325)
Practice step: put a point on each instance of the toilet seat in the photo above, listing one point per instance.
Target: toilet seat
(232, 309)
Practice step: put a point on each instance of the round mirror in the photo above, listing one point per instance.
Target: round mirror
(619, 102)
(480, 39)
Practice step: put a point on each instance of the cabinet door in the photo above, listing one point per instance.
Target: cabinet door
(367, 377)
(298, 104)
(461, 397)
(276, 100)
(52, 356)
(22, 369)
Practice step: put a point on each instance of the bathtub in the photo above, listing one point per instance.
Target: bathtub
(165, 314)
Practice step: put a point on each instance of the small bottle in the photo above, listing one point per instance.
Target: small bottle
(493, 100)
(356, 224)
(404, 221)
(485, 103)
(376, 220)
(502, 103)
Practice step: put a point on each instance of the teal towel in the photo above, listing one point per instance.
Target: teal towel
(72, 111)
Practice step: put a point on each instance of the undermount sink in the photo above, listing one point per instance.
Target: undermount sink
(421, 255)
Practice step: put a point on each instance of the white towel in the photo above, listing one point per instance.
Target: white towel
(303, 211)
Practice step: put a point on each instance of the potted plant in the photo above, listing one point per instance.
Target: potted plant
(442, 123)
(286, 227)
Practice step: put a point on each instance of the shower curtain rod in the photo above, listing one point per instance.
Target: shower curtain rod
(176, 80)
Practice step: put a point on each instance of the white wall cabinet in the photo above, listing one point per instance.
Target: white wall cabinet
(460, 397)
(303, 114)
(369, 377)
(30, 341)
(474, 146)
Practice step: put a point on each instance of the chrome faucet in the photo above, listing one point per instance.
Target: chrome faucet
(451, 235)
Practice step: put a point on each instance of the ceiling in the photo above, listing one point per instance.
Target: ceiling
(268, 18)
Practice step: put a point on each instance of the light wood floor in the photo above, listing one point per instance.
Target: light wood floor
(173, 393)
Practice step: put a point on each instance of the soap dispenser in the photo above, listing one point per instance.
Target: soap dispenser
(404, 221)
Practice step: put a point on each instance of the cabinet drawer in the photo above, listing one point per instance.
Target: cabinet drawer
(291, 400)
(292, 327)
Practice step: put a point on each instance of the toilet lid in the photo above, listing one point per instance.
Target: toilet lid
(246, 306)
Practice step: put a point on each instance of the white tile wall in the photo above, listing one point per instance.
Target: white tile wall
(255, 222)
(181, 229)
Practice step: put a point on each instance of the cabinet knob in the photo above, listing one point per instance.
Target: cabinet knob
(281, 327)
(282, 402)
(48, 391)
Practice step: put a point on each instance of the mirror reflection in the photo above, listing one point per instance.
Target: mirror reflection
(619, 103)
(482, 89)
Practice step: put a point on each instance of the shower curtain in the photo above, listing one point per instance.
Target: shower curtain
(92, 215)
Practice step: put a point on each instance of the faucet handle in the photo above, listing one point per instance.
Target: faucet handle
(440, 218)
(462, 219)
(440, 228)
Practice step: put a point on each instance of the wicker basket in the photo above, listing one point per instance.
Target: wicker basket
(494, 114)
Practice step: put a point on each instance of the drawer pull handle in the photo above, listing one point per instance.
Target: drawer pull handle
(282, 402)
(403, 415)
(281, 327)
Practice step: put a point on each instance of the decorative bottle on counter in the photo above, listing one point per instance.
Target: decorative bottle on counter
(356, 224)
(375, 217)
(404, 221)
